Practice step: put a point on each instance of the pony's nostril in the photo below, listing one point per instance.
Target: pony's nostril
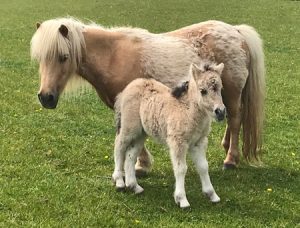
(50, 98)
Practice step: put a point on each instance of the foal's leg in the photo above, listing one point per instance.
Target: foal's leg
(178, 158)
(198, 154)
(119, 157)
(131, 156)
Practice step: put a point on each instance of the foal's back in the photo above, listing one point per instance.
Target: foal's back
(150, 104)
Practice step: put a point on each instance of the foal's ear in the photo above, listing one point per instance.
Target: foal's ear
(63, 30)
(220, 68)
(38, 24)
(195, 70)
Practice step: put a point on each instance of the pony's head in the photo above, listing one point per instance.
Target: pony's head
(57, 45)
(209, 86)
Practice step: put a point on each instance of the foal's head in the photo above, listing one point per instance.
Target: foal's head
(209, 85)
(57, 45)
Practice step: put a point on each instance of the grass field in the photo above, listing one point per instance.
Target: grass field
(55, 165)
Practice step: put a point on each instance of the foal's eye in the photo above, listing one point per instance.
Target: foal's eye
(203, 92)
(63, 58)
(215, 88)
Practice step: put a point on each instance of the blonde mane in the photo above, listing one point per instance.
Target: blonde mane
(47, 43)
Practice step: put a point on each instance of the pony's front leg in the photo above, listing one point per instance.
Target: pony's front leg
(119, 157)
(178, 158)
(131, 156)
(198, 154)
(144, 162)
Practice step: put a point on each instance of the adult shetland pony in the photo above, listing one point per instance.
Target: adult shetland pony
(109, 59)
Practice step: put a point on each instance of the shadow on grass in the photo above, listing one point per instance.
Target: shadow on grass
(261, 195)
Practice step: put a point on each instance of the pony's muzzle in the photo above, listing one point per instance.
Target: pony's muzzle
(220, 113)
(48, 100)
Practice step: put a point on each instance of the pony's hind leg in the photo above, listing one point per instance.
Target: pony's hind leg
(226, 139)
(234, 80)
(144, 163)
(178, 158)
(198, 154)
(232, 133)
(131, 156)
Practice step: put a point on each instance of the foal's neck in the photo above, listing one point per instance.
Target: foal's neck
(193, 98)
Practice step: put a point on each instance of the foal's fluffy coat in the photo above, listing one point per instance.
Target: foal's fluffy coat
(147, 107)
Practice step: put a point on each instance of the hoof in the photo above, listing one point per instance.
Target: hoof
(120, 189)
(119, 184)
(143, 164)
(213, 197)
(138, 190)
(141, 172)
(229, 166)
(184, 205)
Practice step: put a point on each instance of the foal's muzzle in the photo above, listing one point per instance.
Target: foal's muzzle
(48, 100)
(220, 114)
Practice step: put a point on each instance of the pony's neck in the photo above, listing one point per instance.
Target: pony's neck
(103, 61)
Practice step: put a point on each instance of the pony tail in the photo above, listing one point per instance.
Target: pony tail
(117, 109)
(253, 95)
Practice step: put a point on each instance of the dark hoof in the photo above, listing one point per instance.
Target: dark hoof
(229, 166)
(118, 189)
(141, 173)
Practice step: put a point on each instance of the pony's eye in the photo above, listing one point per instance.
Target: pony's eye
(203, 92)
(63, 58)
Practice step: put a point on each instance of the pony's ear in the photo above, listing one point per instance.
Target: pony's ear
(63, 30)
(220, 68)
(38, 24)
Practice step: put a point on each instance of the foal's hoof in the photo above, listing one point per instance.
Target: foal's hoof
(120, 189)
(119, 184)
(184, 204)
(136, 189)
(227, 166)
(213, 197)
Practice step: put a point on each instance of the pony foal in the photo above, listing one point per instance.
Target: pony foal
(179, 119)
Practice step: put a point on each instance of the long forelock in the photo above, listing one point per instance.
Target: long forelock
(47, 43)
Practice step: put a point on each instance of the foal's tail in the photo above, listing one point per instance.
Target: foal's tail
(253, 95)
(117, 109)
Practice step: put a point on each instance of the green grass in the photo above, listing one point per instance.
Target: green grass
(55, 165)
